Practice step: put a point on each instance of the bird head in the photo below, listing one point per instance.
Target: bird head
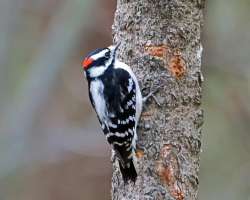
(97, 61)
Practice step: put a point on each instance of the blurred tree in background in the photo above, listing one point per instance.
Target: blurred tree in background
(51, 146)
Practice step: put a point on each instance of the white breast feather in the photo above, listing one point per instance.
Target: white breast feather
(96, 89)
(97, 71)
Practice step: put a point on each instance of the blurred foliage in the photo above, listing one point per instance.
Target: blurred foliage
(51, 146)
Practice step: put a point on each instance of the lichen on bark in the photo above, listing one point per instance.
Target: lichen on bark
(160, 40)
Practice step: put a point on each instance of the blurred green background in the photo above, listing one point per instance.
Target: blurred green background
(51, 146)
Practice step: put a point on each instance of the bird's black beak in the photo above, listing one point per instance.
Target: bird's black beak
(117, 46)
(113, 48)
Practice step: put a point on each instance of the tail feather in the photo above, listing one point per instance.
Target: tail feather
(128, 171)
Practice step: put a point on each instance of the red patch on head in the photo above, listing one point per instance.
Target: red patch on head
(87, 62)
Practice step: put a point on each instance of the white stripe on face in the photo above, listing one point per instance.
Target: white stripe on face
(96, 71)
(99, 55)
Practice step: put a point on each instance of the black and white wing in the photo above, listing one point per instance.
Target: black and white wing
(120, 128)
(114, 99)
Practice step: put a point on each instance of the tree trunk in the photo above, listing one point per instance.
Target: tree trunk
(160, 40)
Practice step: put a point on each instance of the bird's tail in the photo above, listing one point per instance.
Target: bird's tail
(128, 171)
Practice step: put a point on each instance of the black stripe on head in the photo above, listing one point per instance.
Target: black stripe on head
(95, 52)
(99, 61)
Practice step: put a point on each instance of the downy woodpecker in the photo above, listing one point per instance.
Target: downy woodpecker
(116, 97)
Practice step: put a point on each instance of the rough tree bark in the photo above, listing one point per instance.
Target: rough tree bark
(160, 40)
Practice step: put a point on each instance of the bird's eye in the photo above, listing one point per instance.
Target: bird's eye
(107, 55)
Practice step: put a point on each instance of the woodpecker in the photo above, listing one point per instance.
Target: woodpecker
(116, 97)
